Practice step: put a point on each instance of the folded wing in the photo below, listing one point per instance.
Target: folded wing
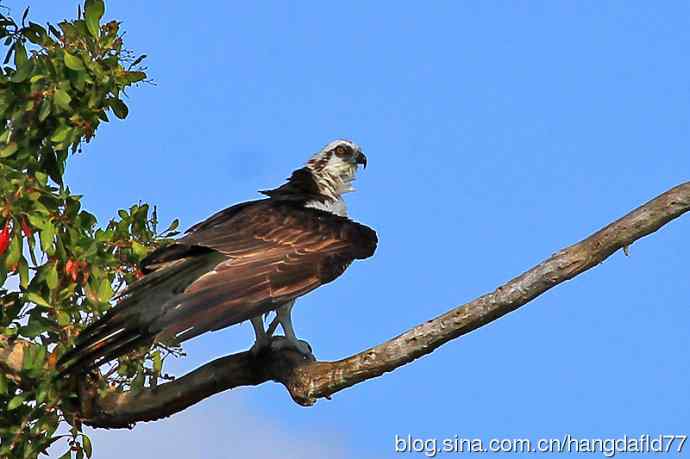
(238, 264)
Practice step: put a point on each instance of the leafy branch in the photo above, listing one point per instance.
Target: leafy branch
(58, 84)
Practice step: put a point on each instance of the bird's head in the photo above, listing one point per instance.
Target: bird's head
(335, 167)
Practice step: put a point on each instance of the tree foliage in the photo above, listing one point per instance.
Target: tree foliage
(58, 268)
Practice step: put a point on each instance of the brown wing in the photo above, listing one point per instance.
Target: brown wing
(276, 251)
(236, 265)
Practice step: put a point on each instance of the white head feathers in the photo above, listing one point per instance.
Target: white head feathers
(335, 166)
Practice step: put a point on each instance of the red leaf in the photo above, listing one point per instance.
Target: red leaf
(72, 269)
(5, 237)
(26, 228)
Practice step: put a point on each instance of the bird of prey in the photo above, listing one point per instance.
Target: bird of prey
(240, 264)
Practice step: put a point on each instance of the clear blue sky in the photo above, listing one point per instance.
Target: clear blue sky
(497, 133)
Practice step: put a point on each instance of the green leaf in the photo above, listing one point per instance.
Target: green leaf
(44, 111)
(42, 177)
(47, 235)
(54, 31)
(39, 357)
(9, 331)
(138, 60)
(52, 276)
(22, 73)
(173, 226)
(29, 358)
(157, 362)
(37, 34)
(23, 268)
(93, 12)
(6, 101)
(36, 78)
(139, 250)
(3, 384)
(32, 329)
(64, 294)
(20, 56)
(86, 444)
(25, 15)
(105, 290)
(139, 380)
(42, 394)
(119, 108)
(62, 99)
(73, 62)
(16, 401)
(61, 134)
(134, 77)
(8, 150)
(37, 299)
(14, 253)
(63, 318)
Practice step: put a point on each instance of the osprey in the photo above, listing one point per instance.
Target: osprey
(240, 264)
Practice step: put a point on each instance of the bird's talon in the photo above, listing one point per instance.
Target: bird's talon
(279, 343)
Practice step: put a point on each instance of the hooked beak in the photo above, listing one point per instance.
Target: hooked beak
(361, 159)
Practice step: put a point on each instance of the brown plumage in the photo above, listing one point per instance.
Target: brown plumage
(238, 264)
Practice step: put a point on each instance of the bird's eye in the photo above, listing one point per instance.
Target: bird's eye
(340, 151)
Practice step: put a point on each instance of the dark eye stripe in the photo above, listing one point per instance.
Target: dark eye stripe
(341, 151)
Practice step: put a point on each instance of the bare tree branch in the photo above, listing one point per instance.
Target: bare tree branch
(308, 381)
(122, 409)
